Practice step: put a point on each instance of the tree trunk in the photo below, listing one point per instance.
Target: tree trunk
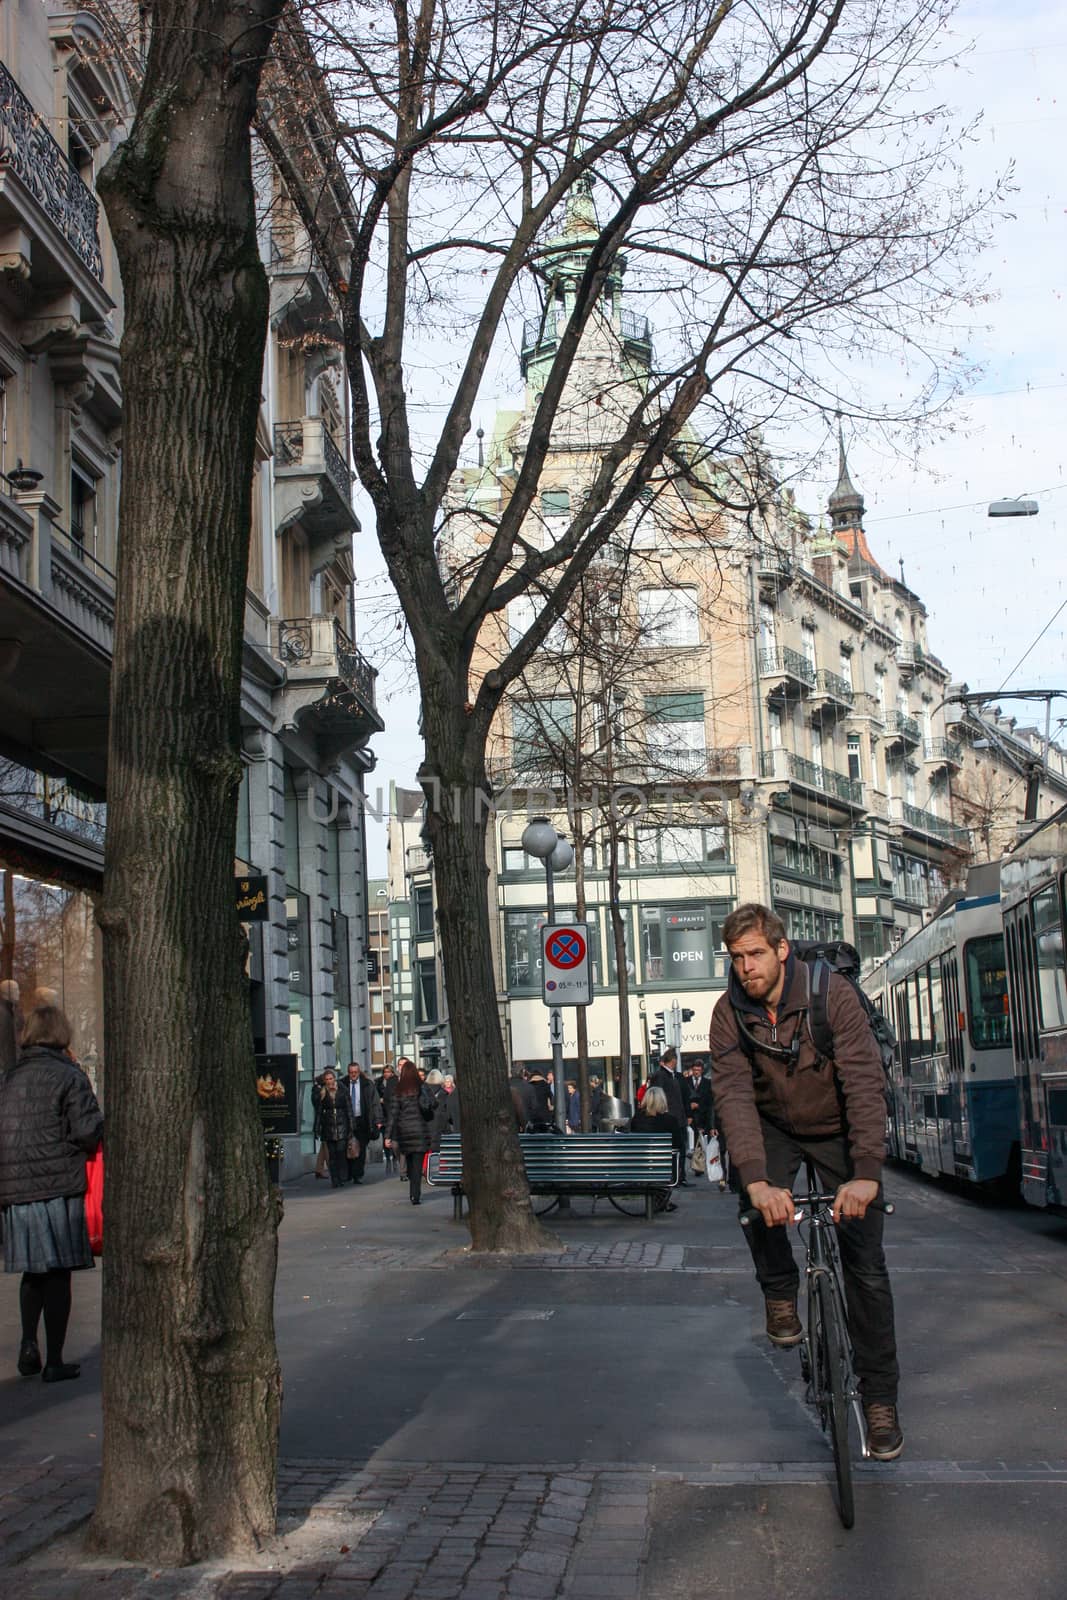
(455, 784)
(192, 1389)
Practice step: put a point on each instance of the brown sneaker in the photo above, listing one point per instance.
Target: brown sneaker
(783, 1324)
(884, 1438)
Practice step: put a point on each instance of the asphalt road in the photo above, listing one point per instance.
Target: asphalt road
(642, 1346)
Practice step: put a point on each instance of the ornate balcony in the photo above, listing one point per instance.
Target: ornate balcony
(806, 774)
(312, 483)
(912, 819)
(943, 753)
(41, 186)
(300, 293)
(774, 568)
(909, 658)
(329, 689)
(902, 729)
(786, 672)
(832, 696)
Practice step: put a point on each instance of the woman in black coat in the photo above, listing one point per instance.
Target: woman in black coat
(333, 1125)
(49, 1123)
(410, 1124)
(652, 1116)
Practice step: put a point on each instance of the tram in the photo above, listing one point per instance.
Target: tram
(1034, 905)
(954, 1102)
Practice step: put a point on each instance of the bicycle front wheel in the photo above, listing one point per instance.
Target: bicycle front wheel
(831, 1377)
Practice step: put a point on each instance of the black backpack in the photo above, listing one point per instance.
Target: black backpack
(823, 960)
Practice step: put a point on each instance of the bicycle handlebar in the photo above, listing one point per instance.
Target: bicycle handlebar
(822, 1201)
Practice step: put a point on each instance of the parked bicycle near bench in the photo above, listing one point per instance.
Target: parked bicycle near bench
(780, 1102)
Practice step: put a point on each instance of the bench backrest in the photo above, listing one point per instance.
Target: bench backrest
(576, 1158)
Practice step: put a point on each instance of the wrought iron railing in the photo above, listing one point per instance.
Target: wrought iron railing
(294, 447)
(321, 643)
(929, 822)
(786, 660)
(833, 684)
(542, 330)
(74, 541)
(812, 775)
(898, 724)
(945, 750)
(27, 147)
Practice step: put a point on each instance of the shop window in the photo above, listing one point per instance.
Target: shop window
(682, 943)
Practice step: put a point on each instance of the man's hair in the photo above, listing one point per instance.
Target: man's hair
(670, 1054)
(655, 1102)
(355, 1064)
(753, 918)
(48, 1027)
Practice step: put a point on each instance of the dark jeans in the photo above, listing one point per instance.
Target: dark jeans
(335, 1149)
(415, 1160)
(867, 1288)
(356, 1168)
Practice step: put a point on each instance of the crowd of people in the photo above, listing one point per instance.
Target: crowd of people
(407, 1108)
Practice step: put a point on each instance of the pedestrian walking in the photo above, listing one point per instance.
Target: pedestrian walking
(408, 1129)
(538, 1101)
(668, 1078)
(50, 1123)
(367, 1119)
(435, 1089)
(333, 1125)
(574, 1108)
(453, 1106)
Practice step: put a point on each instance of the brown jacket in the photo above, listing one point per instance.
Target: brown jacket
(815, 1099)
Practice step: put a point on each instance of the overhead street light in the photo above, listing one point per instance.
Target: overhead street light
(1013, 508)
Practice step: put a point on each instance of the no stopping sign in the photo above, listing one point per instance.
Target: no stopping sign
(567, 973)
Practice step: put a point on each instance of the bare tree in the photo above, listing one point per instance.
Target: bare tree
(788, 201)
(192, 1390)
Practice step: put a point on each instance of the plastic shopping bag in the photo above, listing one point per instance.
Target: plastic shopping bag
(94, 1200)
(713, 1169)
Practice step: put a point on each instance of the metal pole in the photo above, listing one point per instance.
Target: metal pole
(559, 1088)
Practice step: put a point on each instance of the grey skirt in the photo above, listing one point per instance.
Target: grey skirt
(47, 1235)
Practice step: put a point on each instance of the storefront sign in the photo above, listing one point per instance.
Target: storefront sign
(798, 894)
(277, 1095)
(252, 903)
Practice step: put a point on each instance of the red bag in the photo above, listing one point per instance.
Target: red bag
(94, 1200)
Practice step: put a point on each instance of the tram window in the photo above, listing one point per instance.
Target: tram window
(987, 992)
(922, 980)
(1051, 976)
(937, 1012)
(915, 1024)
(1057, 1107)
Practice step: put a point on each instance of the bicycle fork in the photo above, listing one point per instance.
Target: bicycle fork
(825, 1270)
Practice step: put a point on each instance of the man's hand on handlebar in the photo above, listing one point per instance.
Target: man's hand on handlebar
(853, 1198)
(776, 1206)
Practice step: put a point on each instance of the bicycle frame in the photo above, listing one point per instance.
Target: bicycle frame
(823, 1261)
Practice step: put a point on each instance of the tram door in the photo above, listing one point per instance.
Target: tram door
(1026, 1042)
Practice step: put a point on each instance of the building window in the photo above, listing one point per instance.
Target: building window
(879, 692)
(682, 943)
(668, 617)
(767, 637)
(774, 727)
(342, 989)
(542, 737)
(672, 847)
(807, 644)
(846, 666)
(426, 991)
(83, 511)
(675, 732)
(514, 859)
(855, 768)
(422, 895)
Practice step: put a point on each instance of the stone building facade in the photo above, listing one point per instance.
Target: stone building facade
(738, 706)
(68, 84)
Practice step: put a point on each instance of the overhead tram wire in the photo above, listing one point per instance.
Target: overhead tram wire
(1062, 605)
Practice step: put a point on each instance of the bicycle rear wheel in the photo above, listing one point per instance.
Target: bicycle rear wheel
(830, 1359)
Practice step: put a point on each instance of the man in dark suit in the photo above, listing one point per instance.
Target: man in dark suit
(367, 1119)
(697, 1091)
(667, 1078)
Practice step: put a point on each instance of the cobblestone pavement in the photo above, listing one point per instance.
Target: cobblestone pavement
(446, 1532)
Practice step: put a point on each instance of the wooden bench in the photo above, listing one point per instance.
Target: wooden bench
(597, 1164)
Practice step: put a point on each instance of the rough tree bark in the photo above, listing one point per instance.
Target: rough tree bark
(192, 1389)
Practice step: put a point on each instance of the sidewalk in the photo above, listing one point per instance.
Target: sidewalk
(609, 1421)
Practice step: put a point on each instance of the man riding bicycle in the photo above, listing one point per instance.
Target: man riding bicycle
(778, 1100)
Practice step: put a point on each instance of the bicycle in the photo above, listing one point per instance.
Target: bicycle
(826, 1358)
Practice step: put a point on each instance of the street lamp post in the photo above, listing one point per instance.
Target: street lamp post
(541, 840)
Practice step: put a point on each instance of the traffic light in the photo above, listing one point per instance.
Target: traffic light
(687, 1016)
